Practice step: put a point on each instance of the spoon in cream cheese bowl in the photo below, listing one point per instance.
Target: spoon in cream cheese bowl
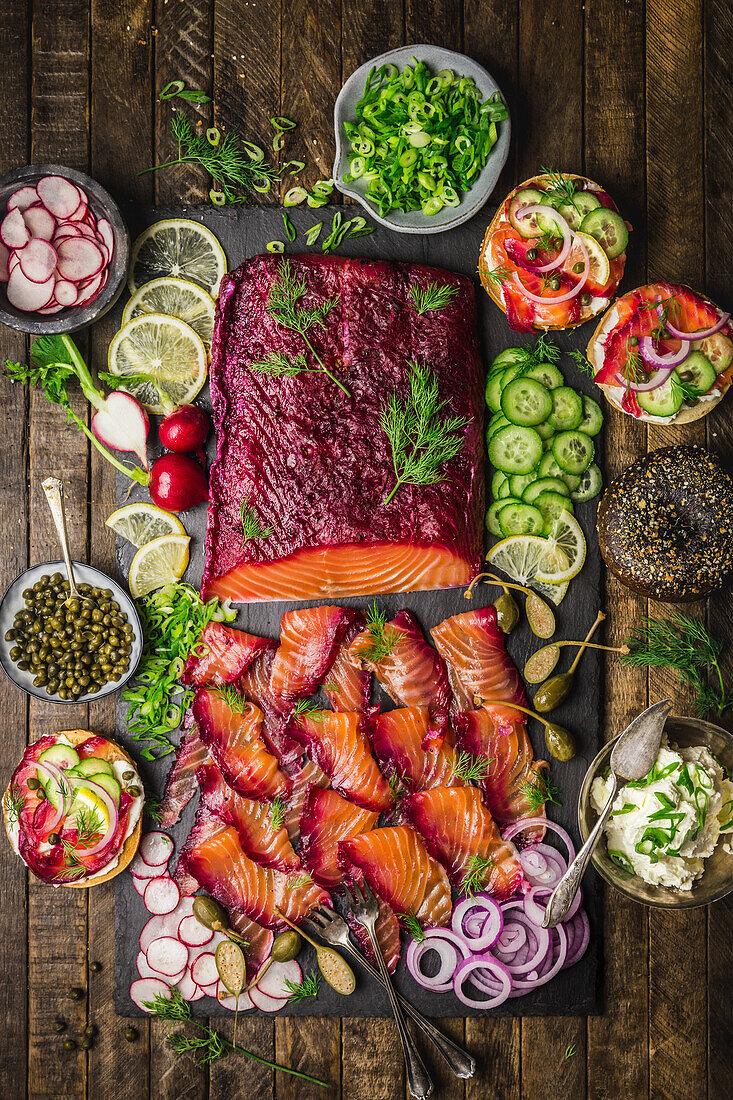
(632, 758)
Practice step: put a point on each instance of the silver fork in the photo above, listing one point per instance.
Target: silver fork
(334, 929)
(364, 907)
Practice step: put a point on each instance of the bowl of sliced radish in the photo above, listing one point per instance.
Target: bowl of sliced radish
(64, 250)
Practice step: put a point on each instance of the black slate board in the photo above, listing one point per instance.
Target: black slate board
(576, 991)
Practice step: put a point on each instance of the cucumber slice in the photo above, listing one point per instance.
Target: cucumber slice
(496, 483)
(521, 519)
(63, 756)
(546, 373)
(492, 516)
(92, 765)
(109, 783)
(697, 371)
(526, 402)
(497, 421)
(567, 409)
(572, 216)
(591, 483)
(608, 228)
(665, 400)
(545, 431)
(505, 490)
(508, 358)
(717, 349)
(592, 421)
(526, 197)
(551, 506)
(544, 485)
(515, 450)
(493, 389)
(573, 451)
(549, 468)
(518, 483)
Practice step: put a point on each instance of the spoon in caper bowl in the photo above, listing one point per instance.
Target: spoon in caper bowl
(632, 758)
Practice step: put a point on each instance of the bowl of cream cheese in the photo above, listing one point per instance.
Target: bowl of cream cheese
(669, 839)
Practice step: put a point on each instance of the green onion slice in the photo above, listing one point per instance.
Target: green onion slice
(218, 198)
(290, 230)
(313, 233)
(213, 135)
(295, 196)
(275, 246)
(281, 123)
(254, 152)
(172, 88)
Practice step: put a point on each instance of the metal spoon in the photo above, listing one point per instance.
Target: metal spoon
(632, 758)
(53, 487)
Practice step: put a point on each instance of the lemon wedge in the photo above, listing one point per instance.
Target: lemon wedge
(179, 298)
(161, 561)
(159, 360)
(142, 522)
(181, 248)
(565, 552)
(519, 557)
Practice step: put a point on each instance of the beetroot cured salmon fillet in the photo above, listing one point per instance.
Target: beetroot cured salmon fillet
(461, 834)
(181, 783)
(327, 818)
(473, 646)
(309, 642)
(313, 462)
(233, 739)
(261, 839)
(254, 684)
(497, 735)
(221, 655)
(340, 747)
(405, 749)
(348, 687)
(411, 672)
(307, 775)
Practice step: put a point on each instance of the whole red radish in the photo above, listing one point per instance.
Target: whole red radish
(185, 430)
(177, 483)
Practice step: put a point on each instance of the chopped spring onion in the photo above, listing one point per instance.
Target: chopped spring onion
(275, 246)
(313, 233)
(218, 198)
(254, 152)
(320, 193)
(281, 123)
(172, 88)
(290, 230)
(420, 140)
(278, 141)
(263, 186)
(295, 196)
(213, 135)
(293, 166)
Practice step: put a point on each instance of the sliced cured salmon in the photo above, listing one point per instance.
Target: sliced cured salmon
(219, 865)
(473, 646)
(258, 941)
(309, 641)
(206, 827)
(221, 655)
(233, 739)
(181, 783)
(259, 824)
(409, 669)
(254, 685)
(348, 687)
(328, 818)
(314, 461)
(406, 750)
(340, 747)
(386, 927)
(307, 775)
(496, 735)
(399, 869)
(461, 834)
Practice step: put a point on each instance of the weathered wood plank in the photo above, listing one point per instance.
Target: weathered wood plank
(439, 22)
(371, 1060)
(305, 1045)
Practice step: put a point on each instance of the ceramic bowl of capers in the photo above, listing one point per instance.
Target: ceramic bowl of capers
(63, 648)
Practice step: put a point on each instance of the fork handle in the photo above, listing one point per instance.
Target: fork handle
(418, 1078)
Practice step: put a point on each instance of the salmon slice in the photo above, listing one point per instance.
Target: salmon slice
(232, 736)
(495, 735)
(307, 775)
(221, 655)
(254, 685)
(181, 783)
(461, 834)
(258, 941)
(473, 646)
(328, 818)
(309, 642)
(206, 827)
(259, 824)
(411, 672)
(386, 926)
(340, 747)
(354, 569)
(221, 868)
(348, 687)
(399, 869)
(406, 751)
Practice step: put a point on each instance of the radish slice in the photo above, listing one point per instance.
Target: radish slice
(264, 1003)
(161, 895)
(155, 848)
(13, 231)
(187, 987)
(107, 233)
(13, 260)
(66, 293)
(168, 956)
(91, 290)
(80, 214)
(87, 231)
(39, 222)
(59, 195)
(79, 258)
(4, 258)
(22, 199)
(144, 968)
(24, 294)
(38, 260)
(90, 219)
(204, 970)
(123, 424)
(209, 990)
(53, 307)
(235, 1004)
(141, 869)
(140, 884)
(277, 974)
(66, 229)
(193, 933)
(146, 989)
(157, 927)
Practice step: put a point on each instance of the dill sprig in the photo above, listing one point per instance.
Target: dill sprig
(307, 708)
(682, 390)
(236, 702)
(285, 306)
(475, 876)
(539, 791)
(277, 812)
(583, 363)
(14, 803)
(499, 275)
(298, 881)
(412, 926)
(422, 442)
(383, 637)
(548, 241)
(332, 686)
(88, 824)
(153, 808)
(431, 297)
(251, 525)
(279, 365)
(542, 351)
(471, 769)
(570, 1051)
(396, 785)
(209, 1044)
(308, 987)
(561, 190)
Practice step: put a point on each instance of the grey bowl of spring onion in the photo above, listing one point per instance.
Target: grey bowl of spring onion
(444, 130)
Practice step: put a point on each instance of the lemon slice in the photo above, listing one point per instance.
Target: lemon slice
(162, 561)
(179, 247)
(179, 298)
(141, 523)
(565, 553)
(162, 358)
(600, 269)
(519, 556)
(88, 806)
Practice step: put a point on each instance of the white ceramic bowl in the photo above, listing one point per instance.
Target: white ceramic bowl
(414, 221)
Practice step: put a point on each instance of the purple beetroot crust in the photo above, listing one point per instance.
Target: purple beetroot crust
(315, 463)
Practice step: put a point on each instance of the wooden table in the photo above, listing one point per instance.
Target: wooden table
(636, 95)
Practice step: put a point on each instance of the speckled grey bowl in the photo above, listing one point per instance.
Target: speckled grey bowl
(414, 221)
(103, 205)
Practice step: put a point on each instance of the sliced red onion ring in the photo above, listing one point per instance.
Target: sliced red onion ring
(465, 971)
(64, 787)
(577, 930)
(491, 925)
(449, 948)
(652, 383)
(512, 938)
(531, 823)
(535, 903)
(562, 225)
(542, 865)
(660, 359)
(537, 936)
(551, 965)
(700, 334)
(556, 299)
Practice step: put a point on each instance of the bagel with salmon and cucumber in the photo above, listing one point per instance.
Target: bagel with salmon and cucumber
(73, 809)
(554, 253)
(663, 353)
